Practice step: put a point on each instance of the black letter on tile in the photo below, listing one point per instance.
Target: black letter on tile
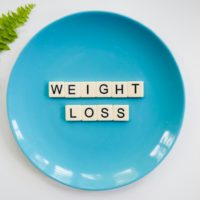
(56, 87)
(119, 89)
(104, 112)
(135, 87)
(86, 113)
(87, 88)
(71, 88)
(103, 90)
(71, 116)
(120, 113)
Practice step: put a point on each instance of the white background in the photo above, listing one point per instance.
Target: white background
(177, 23)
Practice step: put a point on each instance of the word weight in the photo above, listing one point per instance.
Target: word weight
(106, 89)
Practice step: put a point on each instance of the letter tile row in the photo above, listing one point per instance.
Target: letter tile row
(97, 112)
(106, 89)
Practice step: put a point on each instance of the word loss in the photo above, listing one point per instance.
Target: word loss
(97, 112)
(96, 89)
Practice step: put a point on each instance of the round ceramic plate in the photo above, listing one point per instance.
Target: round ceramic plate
(95, 46)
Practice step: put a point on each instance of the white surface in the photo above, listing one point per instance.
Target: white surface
(177, 22)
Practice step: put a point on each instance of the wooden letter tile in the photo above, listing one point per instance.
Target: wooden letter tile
(73, 113)
(103, 89)
(88, 89)
(119, 89)
(104, 112)
(89, 112)
(135, 89)
(57, 89)
(120, 112)
(72, 89)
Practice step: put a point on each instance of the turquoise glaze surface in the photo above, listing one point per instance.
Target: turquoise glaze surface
(95, 46)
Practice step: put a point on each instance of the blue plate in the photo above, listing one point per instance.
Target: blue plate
(95, 46)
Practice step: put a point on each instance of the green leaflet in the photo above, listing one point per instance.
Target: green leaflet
(10, 22)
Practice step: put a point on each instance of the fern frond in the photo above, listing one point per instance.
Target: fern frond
(10, 22)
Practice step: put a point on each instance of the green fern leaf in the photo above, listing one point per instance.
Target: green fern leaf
(4, 47)
(10, 22)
